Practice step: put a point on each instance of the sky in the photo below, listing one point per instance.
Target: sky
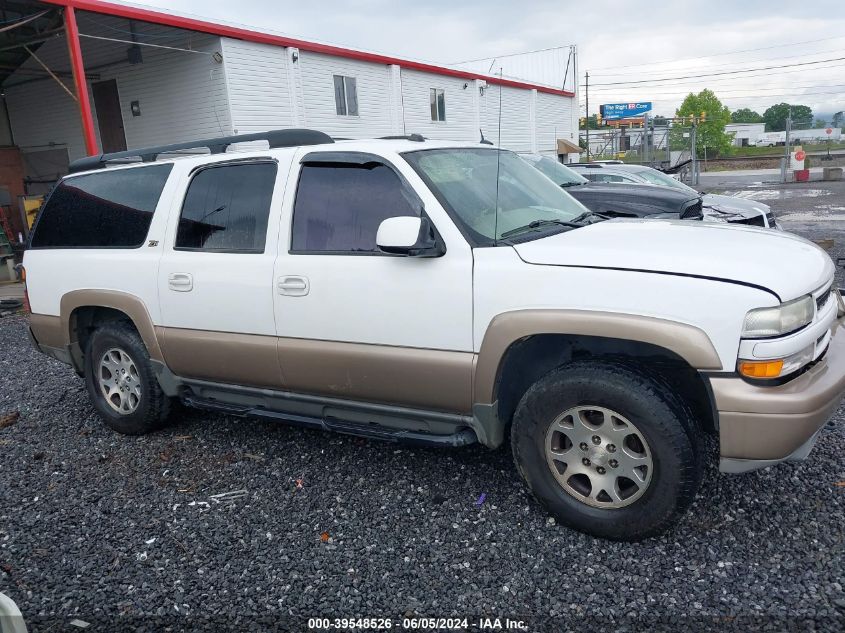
(617, 43)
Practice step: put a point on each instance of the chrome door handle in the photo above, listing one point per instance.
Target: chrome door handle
(293, 286)
(180, 282)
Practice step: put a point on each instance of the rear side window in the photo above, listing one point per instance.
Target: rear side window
(226, 209)
(339, 208)
(107, 209)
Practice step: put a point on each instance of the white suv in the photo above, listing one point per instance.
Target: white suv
(443, 294)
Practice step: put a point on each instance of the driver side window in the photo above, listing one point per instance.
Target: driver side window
(339, 207)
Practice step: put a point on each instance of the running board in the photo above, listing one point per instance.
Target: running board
(462, 435)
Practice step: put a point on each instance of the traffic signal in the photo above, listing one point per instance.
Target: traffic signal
(582, 122)
(598, 120)
(703, 116)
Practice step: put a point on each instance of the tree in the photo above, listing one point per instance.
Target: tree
(710, 134)
(746, 115)
(775, 116)
(660, 121)
(818, 123)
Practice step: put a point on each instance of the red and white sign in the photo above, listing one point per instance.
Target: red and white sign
(800, 155)
(828, 131)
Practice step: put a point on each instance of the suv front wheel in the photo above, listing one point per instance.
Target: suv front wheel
(607, 449)
(121, 382)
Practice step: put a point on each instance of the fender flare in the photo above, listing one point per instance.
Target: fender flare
(124, 302)
(687, 341)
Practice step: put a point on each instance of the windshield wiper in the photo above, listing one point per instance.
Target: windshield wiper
(571, 184)
(535, 224)
(579, 219)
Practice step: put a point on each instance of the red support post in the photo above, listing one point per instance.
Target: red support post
(75, 52)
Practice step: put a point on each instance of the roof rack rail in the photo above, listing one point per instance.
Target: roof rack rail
(275, 138)
(417, 138)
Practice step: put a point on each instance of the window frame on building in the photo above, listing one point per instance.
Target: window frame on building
(437, 104)
(342, 89)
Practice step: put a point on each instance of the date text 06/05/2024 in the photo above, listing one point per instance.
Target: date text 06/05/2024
(420, 623)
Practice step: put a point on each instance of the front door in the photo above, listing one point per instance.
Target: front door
(215, 279)
(109, 118)
(359, 324)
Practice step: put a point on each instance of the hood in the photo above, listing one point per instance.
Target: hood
(632, 199)
(785, 264)
(735, 206)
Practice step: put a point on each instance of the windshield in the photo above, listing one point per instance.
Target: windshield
(464, 181)
(560, 174)
(659, 178)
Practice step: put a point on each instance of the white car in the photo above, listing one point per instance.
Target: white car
(442, 294)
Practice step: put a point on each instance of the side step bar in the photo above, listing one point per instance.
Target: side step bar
(461, 437)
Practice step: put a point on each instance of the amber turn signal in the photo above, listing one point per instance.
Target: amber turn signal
(760, 369)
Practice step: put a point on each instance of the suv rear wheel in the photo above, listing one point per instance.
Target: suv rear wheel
(121, 382)
(607, 449)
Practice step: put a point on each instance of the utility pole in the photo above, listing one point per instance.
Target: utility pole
(694, 156)
(587, 118)
(785, 165)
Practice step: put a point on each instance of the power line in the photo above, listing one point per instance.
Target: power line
(728, 72)
(729, 65)
(746, 50)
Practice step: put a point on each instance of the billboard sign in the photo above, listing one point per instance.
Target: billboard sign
(611, 111)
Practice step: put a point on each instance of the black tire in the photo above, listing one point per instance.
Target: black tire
(660, 417)
(152, 408)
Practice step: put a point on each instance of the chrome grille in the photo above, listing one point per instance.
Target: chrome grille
(822, 299)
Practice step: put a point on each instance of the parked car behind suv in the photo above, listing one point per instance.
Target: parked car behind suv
(614, 201)
(717, 208)
(443, 294)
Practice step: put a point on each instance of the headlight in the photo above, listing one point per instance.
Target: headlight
(783, 319)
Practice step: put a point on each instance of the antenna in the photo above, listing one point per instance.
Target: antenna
(498, 162)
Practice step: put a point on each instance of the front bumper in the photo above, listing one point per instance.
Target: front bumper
(761, 426)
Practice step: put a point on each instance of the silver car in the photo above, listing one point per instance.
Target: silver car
(722, 208)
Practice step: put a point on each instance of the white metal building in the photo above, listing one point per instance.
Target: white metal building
(154, 78)
(745, 133)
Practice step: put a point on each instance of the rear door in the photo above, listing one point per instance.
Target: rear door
(357, 323)
(215, 279)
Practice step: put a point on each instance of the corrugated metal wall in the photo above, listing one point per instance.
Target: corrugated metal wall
(184, 95)
(554, 121)
(373, 86)
(461, 122)
(260, 97)
(517, 131)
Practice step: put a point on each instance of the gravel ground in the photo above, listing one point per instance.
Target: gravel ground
(94, 525)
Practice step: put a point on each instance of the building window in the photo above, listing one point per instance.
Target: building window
(345, 95)
(438, 104)
(226, 209)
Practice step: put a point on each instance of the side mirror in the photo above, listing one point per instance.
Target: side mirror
(411, 236)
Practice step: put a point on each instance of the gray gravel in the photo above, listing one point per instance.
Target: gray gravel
(94, 525)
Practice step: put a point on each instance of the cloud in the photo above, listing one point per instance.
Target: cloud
(672, 40)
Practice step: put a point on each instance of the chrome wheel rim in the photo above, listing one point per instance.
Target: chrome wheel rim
(599, 457)
(119, 381)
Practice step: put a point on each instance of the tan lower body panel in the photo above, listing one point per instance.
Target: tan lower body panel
(762, 422)
(242, 359)
(48, 331)
(431, 379)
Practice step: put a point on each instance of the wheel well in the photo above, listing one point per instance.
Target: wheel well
(82, 323)
(531, 358)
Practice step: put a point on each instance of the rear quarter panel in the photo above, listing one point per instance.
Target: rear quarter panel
(53, 272)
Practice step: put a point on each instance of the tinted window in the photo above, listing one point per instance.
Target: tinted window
(107, 209)
(226, 208)
(339, 208)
